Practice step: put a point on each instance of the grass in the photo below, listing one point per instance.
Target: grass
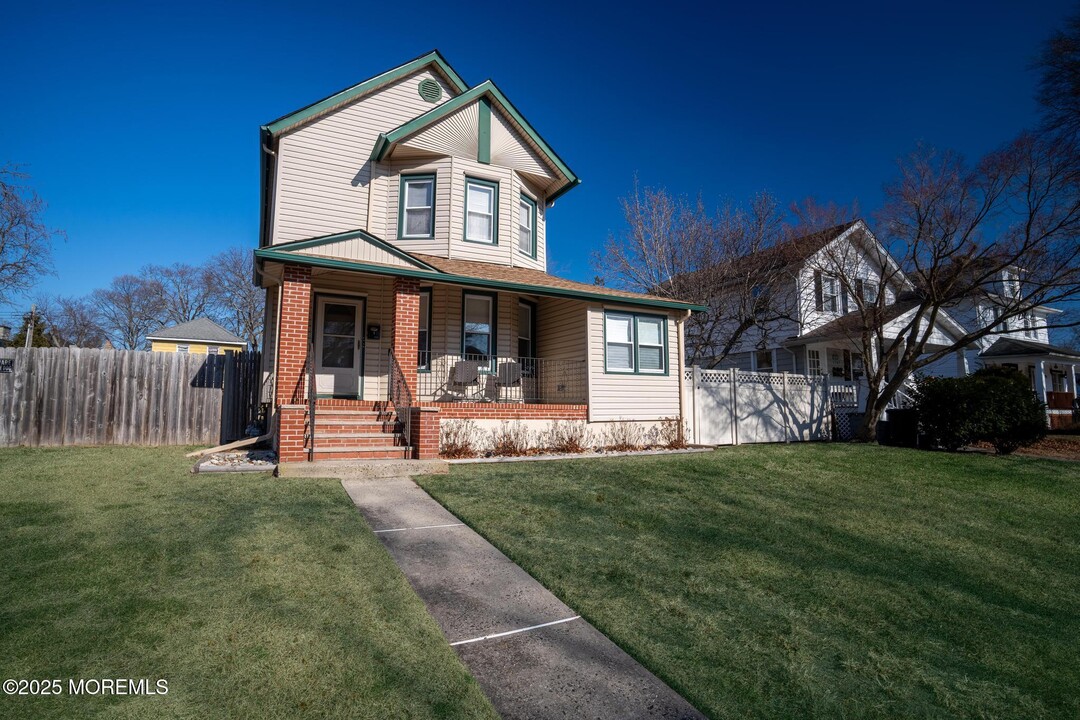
(253, 597)
(811, 581)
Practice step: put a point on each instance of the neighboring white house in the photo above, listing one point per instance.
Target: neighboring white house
(404, 250)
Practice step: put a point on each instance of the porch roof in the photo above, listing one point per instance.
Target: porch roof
(851, 325)
(1013, 347)
(467, 273)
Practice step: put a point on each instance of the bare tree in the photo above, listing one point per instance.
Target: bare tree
(71, 321)
(956, 233)
(676, 248)
(185, 292)
(238, 301)
(25, 240)
(1059, 85)
(128, 309)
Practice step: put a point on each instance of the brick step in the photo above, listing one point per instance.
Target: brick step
(378, 440)
(338, 425)
(369, 415)
(384, 453)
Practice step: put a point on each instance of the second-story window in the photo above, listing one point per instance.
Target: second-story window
(481, 214)
(417, 218)
(827, 292)
(527, 226)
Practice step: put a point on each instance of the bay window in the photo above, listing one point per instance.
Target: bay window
(481, 211)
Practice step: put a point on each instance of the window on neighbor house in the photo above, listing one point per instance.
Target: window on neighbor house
(813, 362)
(763, 361)
(635, 343)
(212, 350)
(866, 290)
(1057, 381)
(418, 206)
(481, 199)
(423, 335)
(527, 226)
(478, 330)
(1029, 325)
(827, 292)
(182, 349)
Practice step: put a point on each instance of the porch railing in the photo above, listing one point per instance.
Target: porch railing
(311, 393)
(401, 397)
(479, 378)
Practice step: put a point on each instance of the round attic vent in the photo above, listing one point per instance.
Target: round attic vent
(430, 90)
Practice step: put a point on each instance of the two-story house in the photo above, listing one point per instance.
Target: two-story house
(827, 277)
(404, 251)
(1021, 342)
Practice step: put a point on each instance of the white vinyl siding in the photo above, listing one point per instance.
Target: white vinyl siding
(321, 188)
(625, 396)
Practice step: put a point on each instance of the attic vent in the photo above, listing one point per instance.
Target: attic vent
(430, 90)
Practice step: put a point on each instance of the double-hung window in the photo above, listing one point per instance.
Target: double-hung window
(635, 343)
(527, 226)
(417, 217)
(827, 292)
(481, 211)
(478, 327)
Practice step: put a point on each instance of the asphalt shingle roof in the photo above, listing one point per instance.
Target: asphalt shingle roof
(202, 329)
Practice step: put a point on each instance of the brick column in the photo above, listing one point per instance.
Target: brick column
(295, 331)
(405, 327)
(425, 430)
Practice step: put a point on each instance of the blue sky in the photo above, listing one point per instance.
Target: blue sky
(139, 123)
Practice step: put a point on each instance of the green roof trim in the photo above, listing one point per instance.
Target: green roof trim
(432, 58)
(350, 235)
(273, 253)
(483, 132)
(484, 89)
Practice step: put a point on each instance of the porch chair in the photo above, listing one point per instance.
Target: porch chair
(508, 378)
(465, 378)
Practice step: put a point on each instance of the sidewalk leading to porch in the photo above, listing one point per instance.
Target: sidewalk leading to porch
(533, 656)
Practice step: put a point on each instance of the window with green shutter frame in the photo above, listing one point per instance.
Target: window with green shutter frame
(635, 343)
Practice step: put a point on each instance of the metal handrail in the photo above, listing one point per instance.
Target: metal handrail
(311, 400)
(400, 396)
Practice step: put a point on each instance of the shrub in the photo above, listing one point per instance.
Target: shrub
(623, 436)
(994, 404)
(511, 439)
(567, 436)
(671, 434)
(458, 439)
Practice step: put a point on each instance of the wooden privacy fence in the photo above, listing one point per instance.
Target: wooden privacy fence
(732, 407)
(77, 396)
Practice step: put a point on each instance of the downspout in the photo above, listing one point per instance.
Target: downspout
(679, 325)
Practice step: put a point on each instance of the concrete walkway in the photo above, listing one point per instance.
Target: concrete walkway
(563, 669)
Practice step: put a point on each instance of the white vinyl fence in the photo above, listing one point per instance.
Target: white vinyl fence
(733, 407)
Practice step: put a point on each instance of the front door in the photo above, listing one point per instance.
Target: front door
(339, 347)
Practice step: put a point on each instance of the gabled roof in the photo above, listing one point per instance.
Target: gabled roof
(462, 272)
(298, 117)
(1013, 347)
(485, 90)
(854, 322)
(197, 330)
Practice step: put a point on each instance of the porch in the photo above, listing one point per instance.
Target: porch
(1053, 372)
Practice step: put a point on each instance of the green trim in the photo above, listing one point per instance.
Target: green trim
(434, 57)
(635, 317)
(426, 368)
(483, 132)
(464, 280)
(532, 329)
(488, 89)
(351, 234)
(535, 232)
(401, 206)
(494, 209)
(494, 296)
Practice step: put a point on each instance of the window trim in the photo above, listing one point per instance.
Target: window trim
(183, 349)
(494, 297)
(756, 367)
(634, 343)
(532, 326)
(426, 368)
(405, 180)
(494, 185)
(213, 349)
(532, 205)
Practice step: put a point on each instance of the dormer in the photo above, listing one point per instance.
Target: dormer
(420, 160)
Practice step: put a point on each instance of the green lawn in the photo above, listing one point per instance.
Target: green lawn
(805, 581)
(254, 597)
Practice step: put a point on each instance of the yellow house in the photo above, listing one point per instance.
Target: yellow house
(200, 336)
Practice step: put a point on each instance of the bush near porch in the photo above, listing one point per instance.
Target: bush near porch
(810, 580)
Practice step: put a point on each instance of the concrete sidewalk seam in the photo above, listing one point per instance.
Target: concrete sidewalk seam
(515, 632)
(422, 527)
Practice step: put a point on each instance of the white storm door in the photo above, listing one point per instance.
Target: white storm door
(339, 347)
